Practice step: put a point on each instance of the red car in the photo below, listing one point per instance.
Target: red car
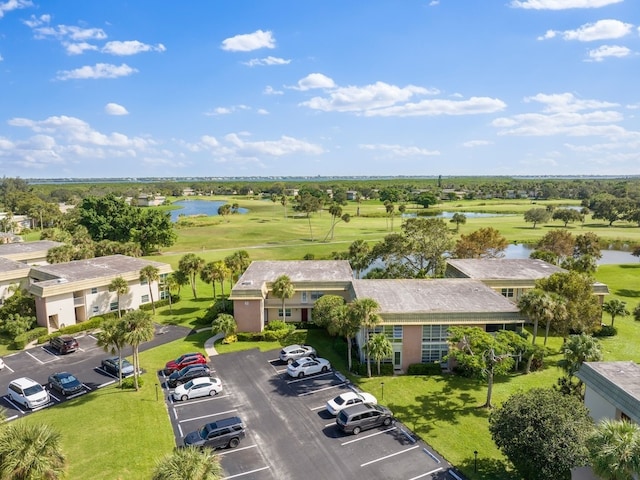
(184, 361)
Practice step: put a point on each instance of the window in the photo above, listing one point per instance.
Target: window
(434, 352)
(144, 299)
(143, 281)
(164, 295)
(94, 290)
(95, 309)
(507, 292)
(113, 306)
(316, 295)
(392, 332)
(434, 333)
(304, 297)
(287, 310)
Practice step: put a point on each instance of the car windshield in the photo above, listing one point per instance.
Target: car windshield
(339, 400)
(188, 385)
(67, 379)
(204, 432)
(32, 390)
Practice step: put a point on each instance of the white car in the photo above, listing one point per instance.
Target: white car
(198, 387)
(347, 399)
(28, 393)
(308, 366)
(2, 364)
(293, 352)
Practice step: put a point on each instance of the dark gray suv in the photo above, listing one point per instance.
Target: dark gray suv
(362, 417)
(224, 433)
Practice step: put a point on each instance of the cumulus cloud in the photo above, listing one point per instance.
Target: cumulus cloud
(285, 145)
(115, 109)
(267, 61)
(589, 32)
(567, 102)
(314, 80)
(131, 47)
(249, 42)
(561, 4)
(11, 5)
(99, 70)
(269, 90)
(400, 150)
(472, 106)
(78, 48)
(606, 51)
(476, 143)
(42, 29)
(226, 110)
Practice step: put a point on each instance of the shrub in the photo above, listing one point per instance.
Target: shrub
(128, 383)
(230, 339)
(23, 339)
(433, 368)
(157, 303)
(279, 325)
(386, 369)
(92, 323)
(606, 331)
(275, 335)
(218, 307)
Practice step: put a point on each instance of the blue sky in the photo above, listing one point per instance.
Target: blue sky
(302, 88)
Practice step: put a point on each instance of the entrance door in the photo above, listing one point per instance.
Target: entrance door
(305, 314)
(397, 357)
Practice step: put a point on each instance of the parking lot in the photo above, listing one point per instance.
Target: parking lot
(41, 361)
(290, 435)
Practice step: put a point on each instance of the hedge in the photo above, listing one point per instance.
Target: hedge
(433, 368)
(23, 339)
(92, 323)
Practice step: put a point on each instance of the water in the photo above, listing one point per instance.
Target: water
(198, 207)
(609, 257)
(436, 214)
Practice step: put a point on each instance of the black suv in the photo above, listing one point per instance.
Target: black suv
(224, 433)
(64, 344)
(187, 373)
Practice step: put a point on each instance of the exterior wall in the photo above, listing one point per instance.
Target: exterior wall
(249, 315)
(598, 406)
(62, 306)
(6, 286)
(411, 345)
(301, 300)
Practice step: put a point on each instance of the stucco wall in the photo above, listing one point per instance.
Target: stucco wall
(411, 345)
(249, 315)
(598, 406)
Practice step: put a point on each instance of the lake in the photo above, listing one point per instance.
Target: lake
(609, 257)
(198, 207)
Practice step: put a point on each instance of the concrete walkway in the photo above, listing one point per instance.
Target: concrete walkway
(209, 344)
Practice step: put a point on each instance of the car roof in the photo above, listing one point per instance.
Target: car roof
(24, 382)
(201, 380)
(225, 422)
(358, 408)
(62, 374)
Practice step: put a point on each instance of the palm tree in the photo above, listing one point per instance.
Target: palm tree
(170, 283)
(364, 312)
(345, 325)
(224, 323)
(111, 339)
(188, 463)
(538, 305)
(150, 274)
(207, 275)
(220, 273)
(31, 451)
(139, 329)
(190, 264)
(121, 287)
(283, 288)
(458, 218)
(577, 350)
(614, 449)
(180, 278)
(379, 347)
(615, 308)
(284, 200)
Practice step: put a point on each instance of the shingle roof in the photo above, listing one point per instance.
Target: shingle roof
(298, 271)
(503, 268)
(27, 247)
(7, 265)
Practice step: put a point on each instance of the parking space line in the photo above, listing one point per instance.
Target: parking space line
(426, 474)
(389, 456)
(435, 459)
(54, 397)
(187, 403)
(320, 390)
(368, 436)
(106, 384)
(6, 420)
(246, 473)
(180, 430)
(238, 449)
(75, 395)
(317, 375)
(207, 416)
(9, 368)
(18, 407)
(36, 359)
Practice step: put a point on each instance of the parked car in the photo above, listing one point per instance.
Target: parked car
(112, 366)
(308, 366)
(347, 399)
(65, 383)
(28, 393)
(363, 416)
(184, 361)
(2, 364)
(64, 344)
(187, 373)
(224, 433)
(292, 353)
(198, 387)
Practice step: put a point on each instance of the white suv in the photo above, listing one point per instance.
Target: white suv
(28, 392)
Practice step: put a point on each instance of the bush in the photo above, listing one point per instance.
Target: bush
(386, 369)
(128, 383)
(433, 368)
(250, 336)
(230, 339)
(92, 323)
(279, 325)
(158, 303)
(23, 339)
(606, 331)
(218, 307)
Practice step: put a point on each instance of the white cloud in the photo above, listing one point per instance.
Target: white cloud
(269, 90)
(226, 110)
(400, 150)
(476, 143)
(268, 61)
(567, 102)
(249, 42)
(601, 30)
(606, 51)
(115, 109)
(284, 146)
(472, 106)
(64, 32)
(131, 47)
(11, 5)
(314, 80)
(99, 70)
(262, 111)
(561, 4)
(78, 48)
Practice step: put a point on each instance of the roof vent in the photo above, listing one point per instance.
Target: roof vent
(247, 282)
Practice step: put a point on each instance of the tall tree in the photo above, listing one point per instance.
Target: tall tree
(207, 275)
(458, 219)
(150, 274)
(189, 463)
(345, 325)
(364, 312)
(111, 339)
(536, 216)
(566, 215)
(559, 243)
(138, 330)
(336, 216)
(616, 308)
(190, 264)
(359, 256)
(482, 243)
(614, 450)
(121, 287)
(224, 323)
(542, 432)
(379, 347)
(541, 306)
(577, 350)
(308, 204)
(170, 284)
(283, 288)
(325, 309)
(30, 451)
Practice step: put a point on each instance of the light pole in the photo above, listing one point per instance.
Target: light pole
(475, 461)
(382, 390)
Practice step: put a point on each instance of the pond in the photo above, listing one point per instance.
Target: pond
(437, 214)
(198, 207)
(609, 257)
